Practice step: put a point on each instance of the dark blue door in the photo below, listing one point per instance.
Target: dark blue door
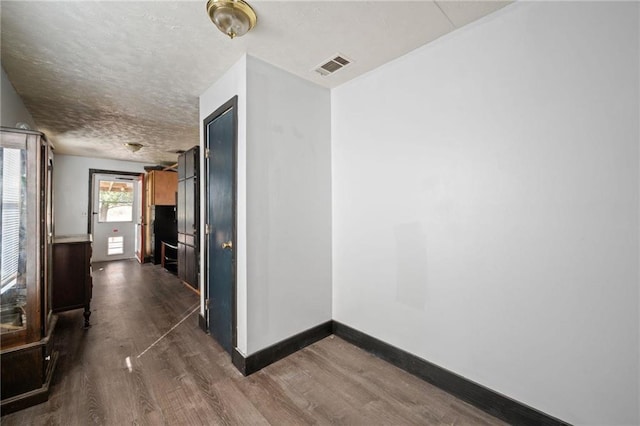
(221, 141)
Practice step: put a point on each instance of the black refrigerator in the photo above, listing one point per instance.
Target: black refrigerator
(165, 228)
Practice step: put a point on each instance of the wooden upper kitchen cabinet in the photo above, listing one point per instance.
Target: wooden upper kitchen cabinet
(162, 186)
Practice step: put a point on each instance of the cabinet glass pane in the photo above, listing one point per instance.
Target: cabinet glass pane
(13, 240)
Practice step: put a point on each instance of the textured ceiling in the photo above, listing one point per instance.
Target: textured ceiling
(96, 74)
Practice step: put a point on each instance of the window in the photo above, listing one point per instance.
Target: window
(115, 245)
(116, 201)
(13, 228)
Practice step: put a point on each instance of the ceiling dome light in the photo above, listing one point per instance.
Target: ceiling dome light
(133, 146)
(233, 17)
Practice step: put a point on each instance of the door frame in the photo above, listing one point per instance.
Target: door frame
(233, 105)
(93, 172)
(142, 178)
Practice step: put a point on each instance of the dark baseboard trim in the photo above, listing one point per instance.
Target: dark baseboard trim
(492, 402)
(239, 361)
(254, 362)
(202, 323)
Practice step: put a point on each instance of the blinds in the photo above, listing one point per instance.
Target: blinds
(13, 177)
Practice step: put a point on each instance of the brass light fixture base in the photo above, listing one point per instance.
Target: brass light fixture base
(233, 17)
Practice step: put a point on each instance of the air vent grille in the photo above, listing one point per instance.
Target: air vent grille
(332, 65)
(341, 60)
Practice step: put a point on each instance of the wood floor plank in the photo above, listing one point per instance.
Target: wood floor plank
(238, 409)
(402, 388)
(270, 399)
(305, 389)
(186, 378)
(360, 393)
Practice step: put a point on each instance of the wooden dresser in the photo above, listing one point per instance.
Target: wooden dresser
(72, 282)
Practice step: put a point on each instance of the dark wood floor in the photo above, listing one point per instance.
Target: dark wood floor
(187, 379)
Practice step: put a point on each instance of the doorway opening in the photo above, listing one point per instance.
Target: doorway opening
(116, 219)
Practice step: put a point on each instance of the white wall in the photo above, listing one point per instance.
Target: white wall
(486, 206)
(12, 109)
(283, 252)
(232, 83)
(71, 189)
(288, 204)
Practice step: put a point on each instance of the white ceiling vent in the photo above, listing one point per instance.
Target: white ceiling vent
(332, 65)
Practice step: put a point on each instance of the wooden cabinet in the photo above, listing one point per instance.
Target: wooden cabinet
(188, 213)
(72, 283)
(26, 320)
(163, 185)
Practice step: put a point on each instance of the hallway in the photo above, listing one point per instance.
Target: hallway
(185, 378)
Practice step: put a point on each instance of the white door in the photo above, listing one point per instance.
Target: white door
(115, 211)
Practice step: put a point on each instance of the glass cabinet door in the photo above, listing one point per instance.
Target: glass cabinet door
(13, 240)
(26, 328)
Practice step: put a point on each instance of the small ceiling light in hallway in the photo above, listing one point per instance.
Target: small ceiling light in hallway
(133, 146)
(233, 17)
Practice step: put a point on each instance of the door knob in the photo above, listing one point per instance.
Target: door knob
(227, 245)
